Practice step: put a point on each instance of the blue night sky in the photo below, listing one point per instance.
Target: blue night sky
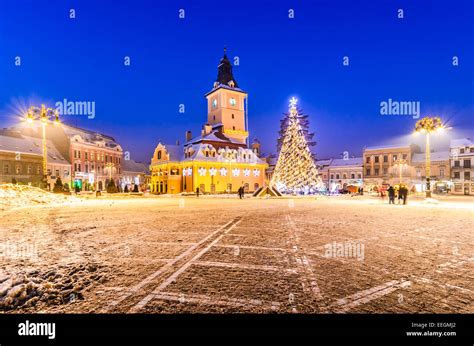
(174, 61)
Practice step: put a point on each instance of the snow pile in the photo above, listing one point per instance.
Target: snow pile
(63, 285)
(12, 195)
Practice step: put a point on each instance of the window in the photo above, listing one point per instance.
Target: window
(441, 172)
(214, 103)
(359, 176)
(367, 160)
(467, 175)
(367, 171)
(385, 158)
(18, 169)
(385, 171)
(467, 163)
(394, 157)
(87, 168)
(38, 169)
(79, 154)
(456, 175)
(337, 176)
(233, 127)
(29, 169)
(233, 116)
(6, 169)
(85, 155)
(344, 176)
(213, 117)
(471, 150)
(159, 155)
(376, 171)
(75, 154)
(332, 176)
(404, 156)
(232, 102)
(461, 150)
(456, 164)
(376, 159)
(57, 173)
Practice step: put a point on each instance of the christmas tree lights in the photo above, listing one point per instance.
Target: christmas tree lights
(295, 171)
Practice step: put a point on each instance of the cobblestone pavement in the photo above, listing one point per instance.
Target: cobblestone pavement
(302, 255)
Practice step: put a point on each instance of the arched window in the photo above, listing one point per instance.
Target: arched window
(159, 155)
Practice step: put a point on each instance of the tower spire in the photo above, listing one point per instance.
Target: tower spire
(224, 72)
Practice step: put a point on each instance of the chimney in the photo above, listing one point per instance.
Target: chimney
(207, 129)
(188, 136)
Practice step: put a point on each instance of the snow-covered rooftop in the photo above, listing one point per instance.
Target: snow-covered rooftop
(15, 142)
(389, 146)
(434, 156)
(133, 166)
(214, 136)
(461, 142)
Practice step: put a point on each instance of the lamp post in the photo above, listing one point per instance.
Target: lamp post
(110, 165)
(428, 125)
(400, 163)
(44, 116)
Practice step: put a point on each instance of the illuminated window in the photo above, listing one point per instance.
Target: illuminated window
(214, 103)
(232, 102)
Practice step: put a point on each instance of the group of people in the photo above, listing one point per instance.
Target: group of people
(240, 192)
(401, 192)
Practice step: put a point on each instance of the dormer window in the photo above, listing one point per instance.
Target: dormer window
(231, 83)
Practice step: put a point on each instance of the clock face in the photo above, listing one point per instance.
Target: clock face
(232, 101)
(214, 103)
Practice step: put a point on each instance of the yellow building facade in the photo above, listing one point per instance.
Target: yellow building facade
(218, 160)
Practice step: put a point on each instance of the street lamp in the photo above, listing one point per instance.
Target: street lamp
(110, 165)
(44, 116)
(428, 125)
(400, 163)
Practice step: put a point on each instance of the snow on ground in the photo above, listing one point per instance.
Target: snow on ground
(12, 195)
(221, 254)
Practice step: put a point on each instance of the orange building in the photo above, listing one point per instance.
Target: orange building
(219, 159)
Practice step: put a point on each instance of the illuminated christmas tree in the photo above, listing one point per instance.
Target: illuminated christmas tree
(296, 171)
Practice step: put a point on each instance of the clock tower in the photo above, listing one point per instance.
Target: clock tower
(227, 103)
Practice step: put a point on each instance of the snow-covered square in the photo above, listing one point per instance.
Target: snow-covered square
(220, 254)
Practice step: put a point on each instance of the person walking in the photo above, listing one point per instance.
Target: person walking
(405, 194)
(391, 195)
(241, 192)
(400, 194)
